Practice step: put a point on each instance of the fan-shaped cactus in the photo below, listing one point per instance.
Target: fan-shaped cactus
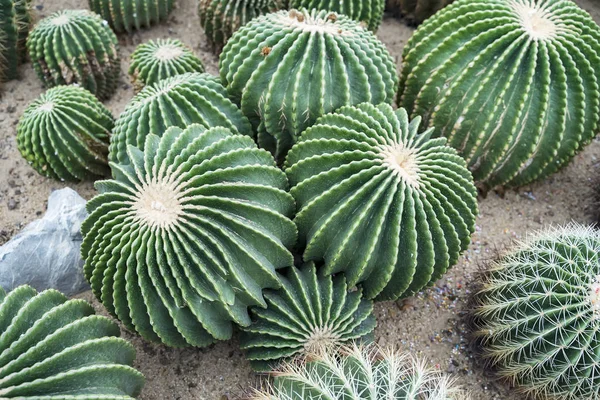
(15, 21)
(538, 314)
(55, 348)
(388, 207)
(308, 314)
(370, 12)
(129, 15)
(64, 134)
(160, 59)
(416, 11)
(177, 101)
(187, 235)
(511, 83)
(75, 46)
(286, 69)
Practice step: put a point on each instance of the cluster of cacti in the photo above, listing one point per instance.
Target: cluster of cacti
(129, 15)
(416, 11)
(15, 21)
(64, 134)
(369, 12)
(308, 313)
(75, 46)
(288, 68)
(55, 348)
(516, 91)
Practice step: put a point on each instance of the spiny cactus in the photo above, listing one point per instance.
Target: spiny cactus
(177, 101)
(64, 134)
(510, 83)
(75, 46)
(15, 22)
(160, 59)
(370, 12)
(185, 237)
(388, 207)
(288, 68)
(55, 348)
(129, 15)
(416, 11)
(309, 313)
(538, 315)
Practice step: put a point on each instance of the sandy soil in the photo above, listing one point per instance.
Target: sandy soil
(430, 325)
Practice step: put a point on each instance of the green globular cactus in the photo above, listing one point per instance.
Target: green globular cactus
(309, 313)
(416, 11)
(129, 15)
(512, 84)
(369, 12)
(75, 46)
(187, 235)
(388, 207)
(288, 68)
(15, 22)
(537, 316)
(177, 101)
(161, 59)
(55, 348)
(64, 134)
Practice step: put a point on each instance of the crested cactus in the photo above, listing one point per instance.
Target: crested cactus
(512, 84)
(75, 46)
(55, 348)
(416, 11)
(188, 234)
(129, 15)
(64, 134)
(388, 207)
(177, 101)
(309, 313)
(15, 22)
(537, 316)
(288, 68)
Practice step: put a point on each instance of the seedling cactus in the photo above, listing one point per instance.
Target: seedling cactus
(130, 15)
(15, 22)
(369, 12)
(416, 11)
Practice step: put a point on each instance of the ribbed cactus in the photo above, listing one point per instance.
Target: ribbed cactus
(512, 84)
(288, 68)
(185, 237)
(177, 101)
(64, 134)
(15, 21)
(538, 315)
(55, 348)
(129, 15)
(388, 207)
(160, 59)
(416, 11)
(75, 46)
(309, 313)
(369, 12)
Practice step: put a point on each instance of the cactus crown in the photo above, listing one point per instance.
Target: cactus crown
(369, 12)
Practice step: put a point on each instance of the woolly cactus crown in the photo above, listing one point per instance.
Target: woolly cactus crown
(15, 22)
(369, 12)
(128, 15)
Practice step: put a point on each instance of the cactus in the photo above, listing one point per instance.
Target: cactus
(129, 15)
(510, 83)
(15, 22)
(388, 207)
(288, 68)
(308, 314)
(75, 46)
(55, 348)
(177, 101)
(185, 237)
(161, 59)
(537, 316)
(369, 12)
(416, 11)
(64, 134)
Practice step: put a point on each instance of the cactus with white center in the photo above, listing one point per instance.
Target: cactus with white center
(130, 15)
(15, 22)
(369, 12)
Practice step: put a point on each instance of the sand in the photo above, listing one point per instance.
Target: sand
(429, 325)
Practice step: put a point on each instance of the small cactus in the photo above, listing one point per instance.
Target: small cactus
(388, 207)
(512, 84)
(369, 12)
(64, 134)
(15, 22)
(160, 59)
(308, 313)
(55, 348)
(416, 11)
(75, 46)
(288, 68)
(537, 316)
(129, 15)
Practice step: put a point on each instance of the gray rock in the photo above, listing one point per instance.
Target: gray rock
(46, 254)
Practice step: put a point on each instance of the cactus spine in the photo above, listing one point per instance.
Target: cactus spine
(129, 15)
(15, 22)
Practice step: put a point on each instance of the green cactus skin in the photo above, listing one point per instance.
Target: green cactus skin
(308, 313)
(130, 15)
(388, 207)
(161, 59)
(64, 134)
(177, 101)
(416, 11)
(370, 12)
(537, 316)
(75, 46)
(510, 83)
(55, 348)
(15, 22)
(288, 68)
(185, 237)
